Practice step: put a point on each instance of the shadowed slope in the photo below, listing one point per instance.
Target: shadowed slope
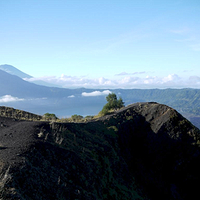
(145, 149)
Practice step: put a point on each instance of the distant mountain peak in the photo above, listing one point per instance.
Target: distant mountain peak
(14, 71)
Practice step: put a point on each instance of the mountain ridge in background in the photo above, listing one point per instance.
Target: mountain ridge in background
(66, 102)
(14, 71)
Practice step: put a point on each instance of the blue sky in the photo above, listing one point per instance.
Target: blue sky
(103, 44)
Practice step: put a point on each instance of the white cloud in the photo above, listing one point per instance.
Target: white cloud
(151, 80)
(124, 82)
(96, 93)
(43, 78)
(9, 98)
(170, 78)
(71, 96)
(74, 81)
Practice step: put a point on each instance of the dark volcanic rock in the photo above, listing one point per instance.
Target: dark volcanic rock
(144, 151)
(161, 149)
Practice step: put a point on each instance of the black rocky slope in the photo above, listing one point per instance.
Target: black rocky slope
(144, 151)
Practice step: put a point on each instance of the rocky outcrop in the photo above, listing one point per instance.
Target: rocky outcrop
(144, 151)
(161, 148)
(18, 114)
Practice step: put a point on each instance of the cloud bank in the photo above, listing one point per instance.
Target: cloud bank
(9, 98)
(124, 81)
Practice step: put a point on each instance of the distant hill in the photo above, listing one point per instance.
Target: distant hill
(186, 101)
(13, 85)
(144, 151)
(14, 71)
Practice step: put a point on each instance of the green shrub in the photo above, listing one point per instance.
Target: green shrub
(49, 116)
(112, 104)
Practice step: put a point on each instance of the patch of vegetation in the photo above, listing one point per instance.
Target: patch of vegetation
(50, 117)
(113, 128)
(112, 105)
(18, 114)
(76, 118)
